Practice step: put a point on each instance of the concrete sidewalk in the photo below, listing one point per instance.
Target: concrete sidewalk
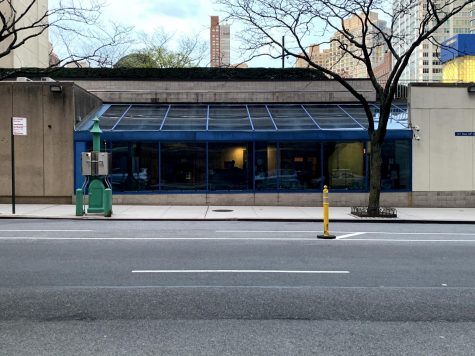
(267, 213)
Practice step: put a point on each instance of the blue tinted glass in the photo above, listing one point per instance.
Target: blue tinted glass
(134, 167)
(111, 116)
(299, 166)
(228, 118)
(183, 166)
(186, 117)
(260, 118)
(344, 165)
(265, 166)
(331, 117)
(291, 117)
(234, 117)
(395, 170)
(358, 113)
(142, 118)
(228, 166)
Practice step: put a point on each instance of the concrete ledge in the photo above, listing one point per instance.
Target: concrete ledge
(459, 199)
(152, 91)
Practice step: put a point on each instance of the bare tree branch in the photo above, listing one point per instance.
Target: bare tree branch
(161, 50)
(75, 27)
(355, 34)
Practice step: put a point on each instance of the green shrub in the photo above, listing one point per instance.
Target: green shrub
(185, 74)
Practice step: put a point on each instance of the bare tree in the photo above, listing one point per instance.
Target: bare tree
(312, 22)
(161, 50)
(75, 27)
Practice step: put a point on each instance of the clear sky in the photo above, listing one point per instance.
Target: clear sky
(182, 17)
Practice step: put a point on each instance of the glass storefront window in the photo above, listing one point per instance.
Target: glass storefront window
(395, 170)
(134, 167)
(344, 166)
(236, 167)
(300, 166)
(228, 166)
(183, 166)
(265, 166)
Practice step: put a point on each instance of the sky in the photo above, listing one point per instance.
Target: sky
(181, 17)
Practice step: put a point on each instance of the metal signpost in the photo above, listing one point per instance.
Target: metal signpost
(19, 128)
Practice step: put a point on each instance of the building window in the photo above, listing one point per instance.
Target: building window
(344, 166)
(183, 166)
(395, 170)
(300, 166)
(134, 167)
(265, 166)
(228, 166)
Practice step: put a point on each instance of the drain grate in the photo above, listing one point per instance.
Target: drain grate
(223, 210)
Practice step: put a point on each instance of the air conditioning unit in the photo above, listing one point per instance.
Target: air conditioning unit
(23, 79)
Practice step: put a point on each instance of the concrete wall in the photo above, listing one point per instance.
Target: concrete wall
(44, 158)
(396, 200)
(130, 91)
(84, 103)
(262, 199)
(443, 164)
(35, 52)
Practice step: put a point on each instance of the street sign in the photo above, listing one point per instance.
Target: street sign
(464, 133)
(19, 126)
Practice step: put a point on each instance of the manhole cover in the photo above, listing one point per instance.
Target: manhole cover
(223, 210)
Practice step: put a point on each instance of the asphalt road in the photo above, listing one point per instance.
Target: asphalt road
(95, 287)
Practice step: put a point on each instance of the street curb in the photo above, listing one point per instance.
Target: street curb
(356, 220)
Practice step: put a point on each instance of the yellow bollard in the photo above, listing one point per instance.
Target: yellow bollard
(326, 233)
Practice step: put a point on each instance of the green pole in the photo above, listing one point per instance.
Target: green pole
(107, 202)
(96, 136)
(79, 202)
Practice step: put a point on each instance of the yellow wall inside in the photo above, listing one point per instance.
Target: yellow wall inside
(461, 69)
(347, 156)
(235, 154)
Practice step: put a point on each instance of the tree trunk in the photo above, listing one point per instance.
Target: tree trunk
(375, 177)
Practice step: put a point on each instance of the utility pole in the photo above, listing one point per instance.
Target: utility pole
(283, 51)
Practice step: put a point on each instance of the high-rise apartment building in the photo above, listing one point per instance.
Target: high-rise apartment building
(35, 51)
(318, 56)
(472, 18)
(341, 62)
(220, 43)
(424, 64)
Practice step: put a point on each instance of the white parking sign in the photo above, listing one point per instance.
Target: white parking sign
(19, 126)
